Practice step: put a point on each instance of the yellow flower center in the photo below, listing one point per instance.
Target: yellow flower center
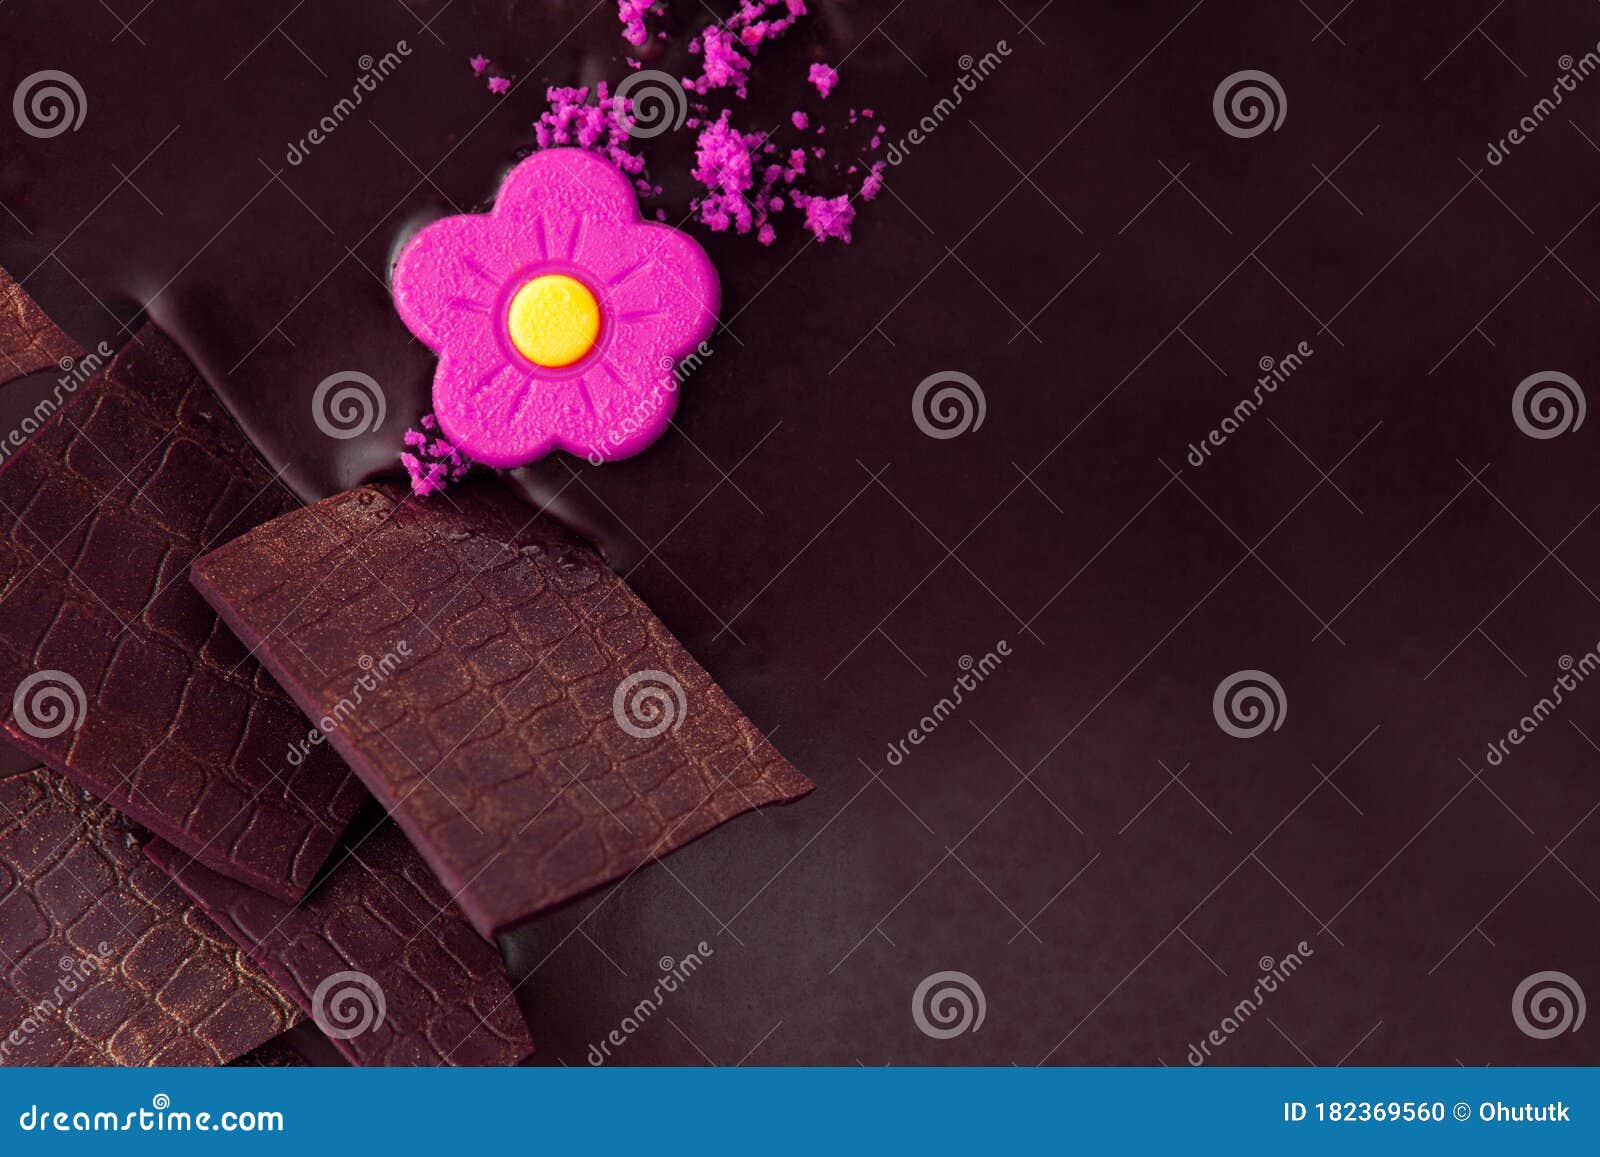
(554, 320)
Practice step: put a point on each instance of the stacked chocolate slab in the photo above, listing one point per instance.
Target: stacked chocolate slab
(152, 718)
(114, 672)
(532, 726)
(103, 961)
(531, 729)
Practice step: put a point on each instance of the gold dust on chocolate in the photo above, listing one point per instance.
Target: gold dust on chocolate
(495, 742)
(139, 472)
(104, 961)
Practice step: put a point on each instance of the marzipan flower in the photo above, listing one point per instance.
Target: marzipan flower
(558, 317)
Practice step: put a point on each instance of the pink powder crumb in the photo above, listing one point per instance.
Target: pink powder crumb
(436, 463)
(799, 120)
(478, 63)
(499, 85)
(766, 235)
(725, 168)
(827, 216)
(632, 13)
(872, 185)
(824, 77)
(599, 125)
(868, 113)
(726, 49)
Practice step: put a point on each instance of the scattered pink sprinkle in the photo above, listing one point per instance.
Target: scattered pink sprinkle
(726, 49)
(873, 184)
(827, 216)
(823, 77)
(436, 463)
(600, 125)
(723, 165)
(746, 178)
(631, 13)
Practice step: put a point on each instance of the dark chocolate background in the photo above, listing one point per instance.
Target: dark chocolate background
(1084, 240)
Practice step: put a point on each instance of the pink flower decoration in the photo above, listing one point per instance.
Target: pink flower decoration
(563, 214)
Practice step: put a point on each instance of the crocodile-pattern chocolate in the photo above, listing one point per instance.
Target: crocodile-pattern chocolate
(165, 715)
(495, 734)
(377, 955)
(29, 340)
(103, 961)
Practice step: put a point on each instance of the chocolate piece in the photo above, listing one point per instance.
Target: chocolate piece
(102, 960)
(531, 725)
(377, 955)
(29, 340)
(277, 1053)
(112, 670)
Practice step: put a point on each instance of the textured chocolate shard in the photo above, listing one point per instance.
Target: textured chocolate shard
(29, 340)
(532, 726)
(113, 670)
(103, 960)
(377, 955)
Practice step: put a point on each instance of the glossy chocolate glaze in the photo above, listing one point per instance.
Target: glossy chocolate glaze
(830, 565)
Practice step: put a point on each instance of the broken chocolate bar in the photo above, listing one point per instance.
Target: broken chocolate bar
(103, 961)
(522, 714)
(29, 340)
(377, 955)
(112, 670)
